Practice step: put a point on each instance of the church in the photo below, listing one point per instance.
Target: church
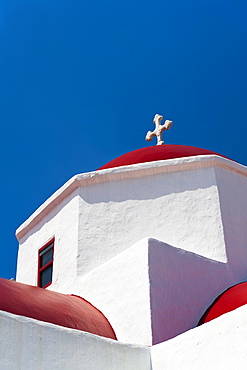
(139, 265)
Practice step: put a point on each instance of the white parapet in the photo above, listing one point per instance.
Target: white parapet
(218, 344)
(28, 344)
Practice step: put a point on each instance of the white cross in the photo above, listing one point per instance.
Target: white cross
(158, 129)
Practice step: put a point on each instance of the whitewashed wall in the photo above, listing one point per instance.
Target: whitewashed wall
(27, 344)
(218, 344)
(97, 218)
(62, 223)
(182, 286)
(152, 291)
(120, 289)
(232, 188)
(180, 208)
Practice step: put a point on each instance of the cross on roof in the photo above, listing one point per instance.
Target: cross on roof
(158, 129)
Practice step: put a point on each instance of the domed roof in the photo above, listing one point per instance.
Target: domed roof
(56, 308)
(229, 300)
(156, 153)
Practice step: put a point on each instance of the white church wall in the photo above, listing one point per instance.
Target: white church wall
(182, 286)
(97, 215)
(180, 208)
(28, 344)
(233, 202)
(62, 223)
(218, 344)
(120, 289)
(152, 291)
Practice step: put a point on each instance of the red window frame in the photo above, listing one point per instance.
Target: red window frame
(47, 265)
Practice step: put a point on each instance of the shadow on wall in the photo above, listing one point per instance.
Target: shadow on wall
(41, 221)
(182, 286)
(232, 189)
(150, 187)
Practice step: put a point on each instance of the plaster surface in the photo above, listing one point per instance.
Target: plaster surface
(31, 344)
(120, 287)
(62, 223)
(232, 188)
(180, 208)
(153, 291)
(182, 286)
(192, 214)
(123, 172)
(218, 344)
(176, 202)
(98, 255)
(28, 344)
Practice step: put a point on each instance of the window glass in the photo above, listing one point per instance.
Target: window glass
(46, 257)
(45, 264)
(46, 276)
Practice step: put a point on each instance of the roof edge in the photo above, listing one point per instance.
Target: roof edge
(125, 172)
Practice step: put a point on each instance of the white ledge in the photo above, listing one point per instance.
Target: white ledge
(124, 172)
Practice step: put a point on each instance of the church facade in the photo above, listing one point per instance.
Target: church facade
(120, 265)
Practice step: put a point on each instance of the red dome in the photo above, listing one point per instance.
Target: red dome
(156, 153)
(231, 299)
(56, 308)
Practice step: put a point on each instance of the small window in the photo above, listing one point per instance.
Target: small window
(45, 264)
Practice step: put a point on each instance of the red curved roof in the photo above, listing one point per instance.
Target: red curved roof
(229, 300)
(156, 153)
(56, 308)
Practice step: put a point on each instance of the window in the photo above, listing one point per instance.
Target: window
(45, 264)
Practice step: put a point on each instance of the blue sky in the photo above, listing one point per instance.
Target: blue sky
(80, 82)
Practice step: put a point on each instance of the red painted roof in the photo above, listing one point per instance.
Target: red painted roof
(56, 308)
(229, 300)
(156, 153)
